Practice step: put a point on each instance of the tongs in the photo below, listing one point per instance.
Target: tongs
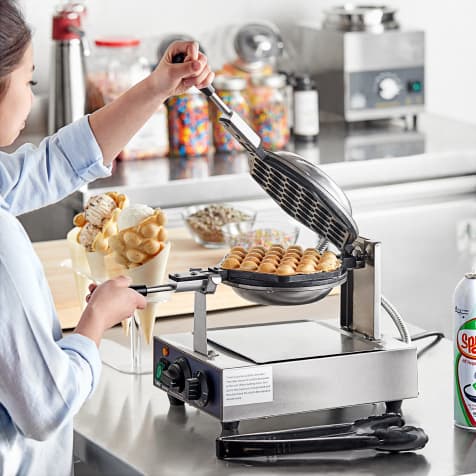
(382, 433)
(231, 120)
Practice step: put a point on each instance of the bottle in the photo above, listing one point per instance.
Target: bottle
(269, 110)
(230, 89)
(67, 92)
(189, 124)
(465, 353)
(305, 109)
(115, 66)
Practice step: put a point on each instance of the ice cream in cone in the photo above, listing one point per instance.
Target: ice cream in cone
(96, 225)
(141, 246)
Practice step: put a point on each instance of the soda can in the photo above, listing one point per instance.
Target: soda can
(465, 353)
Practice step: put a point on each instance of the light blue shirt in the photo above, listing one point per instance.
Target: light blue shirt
(44, 377)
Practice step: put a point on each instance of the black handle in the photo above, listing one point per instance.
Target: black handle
(207, 90)
(140, 288)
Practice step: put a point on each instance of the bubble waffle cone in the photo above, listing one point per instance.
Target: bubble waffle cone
(97, 265)
(80, 263)
(95, 236)
(151, 273)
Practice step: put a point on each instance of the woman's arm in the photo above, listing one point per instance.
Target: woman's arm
(116, 123)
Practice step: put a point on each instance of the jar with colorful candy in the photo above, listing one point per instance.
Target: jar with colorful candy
(189, 124)
(115, 65)
(230, 90)
(269, 110)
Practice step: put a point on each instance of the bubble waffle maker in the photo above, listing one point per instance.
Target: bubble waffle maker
(255, 371)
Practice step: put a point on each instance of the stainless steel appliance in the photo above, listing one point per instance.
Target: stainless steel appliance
(365, 65)
(248, 372)
(67, 94)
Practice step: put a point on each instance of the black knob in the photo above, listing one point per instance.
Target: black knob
(173, 377)
(193, 389)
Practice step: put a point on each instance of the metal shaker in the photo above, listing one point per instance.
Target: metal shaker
(67, 95)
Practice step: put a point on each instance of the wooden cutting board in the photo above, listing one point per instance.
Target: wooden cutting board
(184, 254)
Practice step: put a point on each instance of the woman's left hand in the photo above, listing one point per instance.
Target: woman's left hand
(170, 78)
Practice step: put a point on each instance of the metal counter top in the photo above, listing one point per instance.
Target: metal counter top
(354, 155)
(127, 427)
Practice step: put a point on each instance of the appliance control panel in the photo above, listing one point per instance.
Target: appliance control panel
(385, 89)
(186, 379)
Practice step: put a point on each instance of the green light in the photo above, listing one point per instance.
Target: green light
(416, 86)
(158, 370)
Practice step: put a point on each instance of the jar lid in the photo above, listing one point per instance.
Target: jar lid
(304, 82)
(229, 83)
(117, 42)
(270, 80)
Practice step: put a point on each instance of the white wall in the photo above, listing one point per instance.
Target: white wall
(449, 26)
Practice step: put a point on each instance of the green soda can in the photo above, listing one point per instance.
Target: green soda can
(465, 353)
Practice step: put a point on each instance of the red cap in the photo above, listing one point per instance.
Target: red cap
(117, 42)
(62, 22)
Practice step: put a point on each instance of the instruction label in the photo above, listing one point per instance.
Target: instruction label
(243, 386)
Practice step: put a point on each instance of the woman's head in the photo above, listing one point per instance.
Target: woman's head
(16, 67)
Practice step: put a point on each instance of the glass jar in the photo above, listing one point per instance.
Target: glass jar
(269, 110)
(115, 66)
(230, 90)
(189, 124)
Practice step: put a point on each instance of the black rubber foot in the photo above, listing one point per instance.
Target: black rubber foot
(229, 428)
(394, 407)
(175, 401)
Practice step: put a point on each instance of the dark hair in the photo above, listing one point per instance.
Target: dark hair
(14, 39)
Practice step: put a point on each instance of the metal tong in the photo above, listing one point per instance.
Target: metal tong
(382, 433)
(231, 120)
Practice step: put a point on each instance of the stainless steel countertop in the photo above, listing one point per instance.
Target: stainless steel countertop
(127, 427)
(355, 156)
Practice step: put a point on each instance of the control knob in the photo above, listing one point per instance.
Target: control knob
(388, 89)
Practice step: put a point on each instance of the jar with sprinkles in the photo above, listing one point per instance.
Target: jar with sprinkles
(189, 124)
(230, 89)
(269, 110)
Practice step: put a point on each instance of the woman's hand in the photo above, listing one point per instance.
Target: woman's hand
(108, 304)
(170, 78)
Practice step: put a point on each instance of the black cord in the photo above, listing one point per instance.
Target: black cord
(425, 335)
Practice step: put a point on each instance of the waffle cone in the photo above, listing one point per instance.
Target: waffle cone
(80, 263)
(97, 265)
(151, 273)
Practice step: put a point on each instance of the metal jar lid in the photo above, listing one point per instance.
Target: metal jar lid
(229, 83)
(270, 80)
(372, 18)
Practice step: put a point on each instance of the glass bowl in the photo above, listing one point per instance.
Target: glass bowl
(264, 233)
(205, 222)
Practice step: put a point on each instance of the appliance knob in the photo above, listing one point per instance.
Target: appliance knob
(173, 377)
(388, 89)
(193, 390)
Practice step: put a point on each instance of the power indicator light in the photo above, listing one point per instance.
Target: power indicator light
(165, 351)
(158, 370)
(415, 86)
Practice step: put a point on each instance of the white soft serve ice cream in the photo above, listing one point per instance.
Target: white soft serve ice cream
(133, 215)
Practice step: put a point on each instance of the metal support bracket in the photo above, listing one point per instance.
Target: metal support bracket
(361, 294)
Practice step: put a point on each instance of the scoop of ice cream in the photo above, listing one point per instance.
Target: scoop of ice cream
(99, 209)
(87, 235)
(133, 215)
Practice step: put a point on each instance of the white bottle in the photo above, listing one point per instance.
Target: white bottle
(306, 109)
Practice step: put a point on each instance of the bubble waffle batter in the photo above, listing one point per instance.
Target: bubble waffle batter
(136, 245)
(281, 261)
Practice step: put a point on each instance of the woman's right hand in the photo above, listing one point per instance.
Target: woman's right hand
(109, 304)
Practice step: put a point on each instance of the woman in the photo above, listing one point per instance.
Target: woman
(44, 377)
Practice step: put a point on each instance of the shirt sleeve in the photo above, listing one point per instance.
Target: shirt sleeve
(43, 381)
(33, 177)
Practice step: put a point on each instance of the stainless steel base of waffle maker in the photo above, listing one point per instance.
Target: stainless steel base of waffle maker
(248, 372)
